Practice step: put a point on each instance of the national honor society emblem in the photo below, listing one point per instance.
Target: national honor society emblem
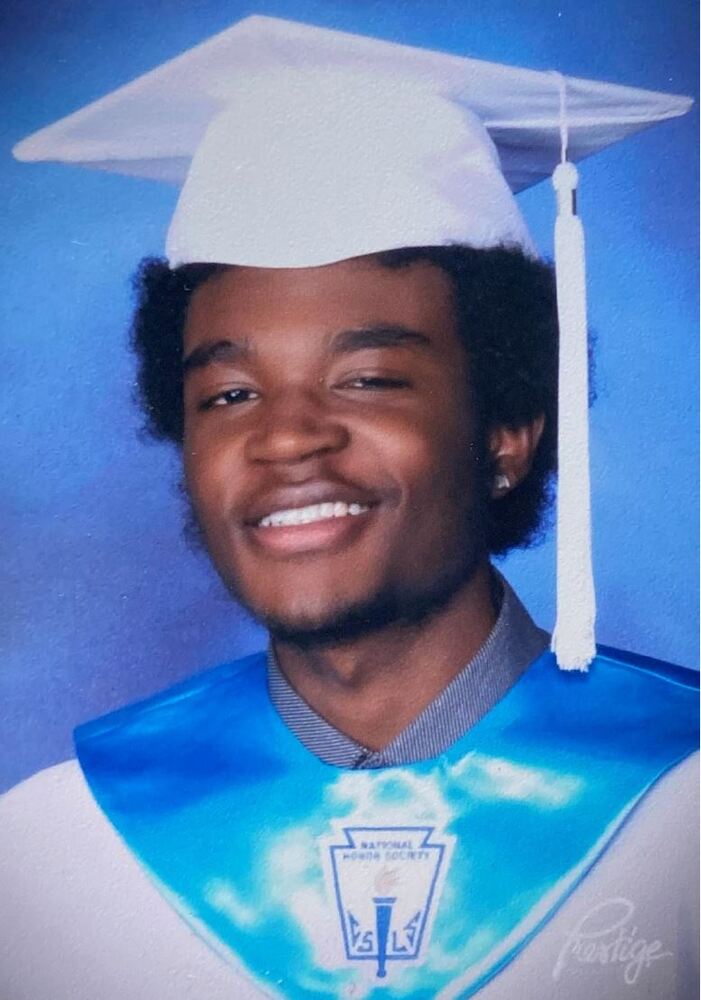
(386, 882)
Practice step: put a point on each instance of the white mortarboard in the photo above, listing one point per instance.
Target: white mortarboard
(297, 146)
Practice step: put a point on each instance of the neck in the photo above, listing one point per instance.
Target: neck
(375, 686)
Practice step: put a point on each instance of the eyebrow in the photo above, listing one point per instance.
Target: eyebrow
(369, 337)
(345, 342)
(224, 351)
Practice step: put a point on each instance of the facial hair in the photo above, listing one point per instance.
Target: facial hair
(408, 604)
(395, 605)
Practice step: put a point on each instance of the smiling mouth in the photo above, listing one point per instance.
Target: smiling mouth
(311, 514)
(314, 528)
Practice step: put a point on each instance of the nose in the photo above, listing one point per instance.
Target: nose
(294, 426)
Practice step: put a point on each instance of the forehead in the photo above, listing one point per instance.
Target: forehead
(247, 301)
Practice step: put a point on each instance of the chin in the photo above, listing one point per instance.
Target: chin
(308, 623)
(385, 609)
(326, 613)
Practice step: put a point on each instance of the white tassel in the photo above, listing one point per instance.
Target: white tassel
(573, 637)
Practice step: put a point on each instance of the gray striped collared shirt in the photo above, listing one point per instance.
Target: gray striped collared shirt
(514, 642)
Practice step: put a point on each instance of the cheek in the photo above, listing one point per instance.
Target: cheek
(210, 474)
(431, 451)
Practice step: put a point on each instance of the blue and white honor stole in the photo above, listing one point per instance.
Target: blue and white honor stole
(405, 882)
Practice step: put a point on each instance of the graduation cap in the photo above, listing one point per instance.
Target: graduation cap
(296, 146)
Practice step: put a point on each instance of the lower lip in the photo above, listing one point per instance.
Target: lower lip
(318, 536)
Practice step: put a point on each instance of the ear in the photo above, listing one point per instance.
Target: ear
(512, 450)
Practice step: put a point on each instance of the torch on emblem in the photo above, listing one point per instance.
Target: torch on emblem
(386, 882)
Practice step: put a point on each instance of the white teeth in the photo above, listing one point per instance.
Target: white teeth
(313, 512)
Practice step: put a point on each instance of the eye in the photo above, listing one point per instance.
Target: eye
(229, 397)
(375, 382)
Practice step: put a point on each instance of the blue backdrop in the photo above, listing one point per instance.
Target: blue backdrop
(103, 601)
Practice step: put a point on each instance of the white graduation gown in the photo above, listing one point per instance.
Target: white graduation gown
(81, 919)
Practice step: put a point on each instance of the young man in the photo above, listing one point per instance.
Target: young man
(404, 797)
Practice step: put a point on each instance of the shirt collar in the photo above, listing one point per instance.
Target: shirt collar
(514, 642)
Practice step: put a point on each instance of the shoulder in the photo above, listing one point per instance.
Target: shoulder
(83, 921)
(650, 667)
(651, 702)
(624, 702)
(40, 818)
(48, 790)
(239, 684)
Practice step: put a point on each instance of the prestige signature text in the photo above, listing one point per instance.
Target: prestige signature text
(605, 935)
